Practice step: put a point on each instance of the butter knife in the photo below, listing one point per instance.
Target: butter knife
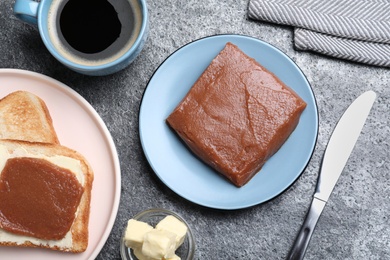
(337, 152)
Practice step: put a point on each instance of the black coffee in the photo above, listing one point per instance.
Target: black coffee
(90, 26)
(96, 29)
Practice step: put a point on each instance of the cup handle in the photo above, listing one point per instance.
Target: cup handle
(27, 11)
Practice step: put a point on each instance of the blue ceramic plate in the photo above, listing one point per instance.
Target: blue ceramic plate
(183, 172)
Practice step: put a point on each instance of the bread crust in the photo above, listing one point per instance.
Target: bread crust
(25, 116)
(79, 228)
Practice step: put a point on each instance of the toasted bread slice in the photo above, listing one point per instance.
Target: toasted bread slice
(24, 116)
(76, 239)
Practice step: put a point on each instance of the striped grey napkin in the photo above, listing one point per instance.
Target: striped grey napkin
(356, 30)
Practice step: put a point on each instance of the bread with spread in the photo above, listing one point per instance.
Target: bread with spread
(45, 188)
(24, 116)
(236, 115)
(38, 208)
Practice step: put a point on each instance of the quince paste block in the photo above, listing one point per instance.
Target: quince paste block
(236, 115)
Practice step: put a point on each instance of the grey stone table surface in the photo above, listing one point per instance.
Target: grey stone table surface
(355, 221)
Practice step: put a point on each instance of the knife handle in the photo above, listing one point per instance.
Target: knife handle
(298, 250)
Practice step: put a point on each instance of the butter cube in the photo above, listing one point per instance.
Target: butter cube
(135, 232)
(138, 253)
(159, 244)
(174, 257)
(172, 224)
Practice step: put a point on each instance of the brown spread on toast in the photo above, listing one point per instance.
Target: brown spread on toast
(38, 198)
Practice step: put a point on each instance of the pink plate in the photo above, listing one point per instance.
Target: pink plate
(79, 127)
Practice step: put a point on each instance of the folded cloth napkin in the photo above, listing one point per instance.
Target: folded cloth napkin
(356, 30)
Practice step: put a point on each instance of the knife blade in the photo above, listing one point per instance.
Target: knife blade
(337, 152)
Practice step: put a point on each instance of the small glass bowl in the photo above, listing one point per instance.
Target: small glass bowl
(152, 216)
